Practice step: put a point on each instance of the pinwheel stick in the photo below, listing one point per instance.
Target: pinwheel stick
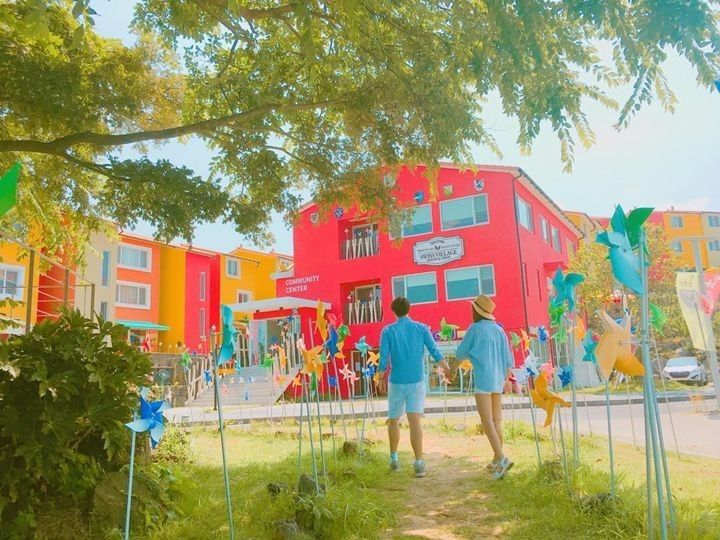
(563, 451)
(306, 400)
(611, 451)
(534, 425)
(222, 447)
(320, 433)
(367, 402)
(332, 418)
(130, 485)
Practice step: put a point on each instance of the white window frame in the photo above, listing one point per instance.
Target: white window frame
(203, 286)
(554, 230)
(477, 269)
(19, 286)
(243, 291)
(570, 247)
(518, 200)
(672, 222)
(106, 305)
(405, 276)
(147, 250)
(227, 269)
(202, 319)
(714, 245)
(148, 293)
(432, 225)
(714, 221)
(676, 246)
(545, 230)
(475, 224)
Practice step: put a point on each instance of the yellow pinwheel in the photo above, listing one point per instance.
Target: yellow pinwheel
(321, 324)
(546, 399)
(313, 364)
(614, 350)
(373, 359)
(466, 366)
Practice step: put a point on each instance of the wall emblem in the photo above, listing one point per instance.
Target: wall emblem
(447, 190)
(339, 212)
(389, 180)
(439, 250)
(479, 184)
(314, 218)
(419, 197)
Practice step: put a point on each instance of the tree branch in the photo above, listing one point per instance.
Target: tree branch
(59, 146)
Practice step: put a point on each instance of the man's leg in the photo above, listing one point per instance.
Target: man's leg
(416, 434)
(394, 434)
(396, 408)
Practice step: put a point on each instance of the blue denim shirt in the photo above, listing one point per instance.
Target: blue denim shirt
(402, 346)
(486, 345)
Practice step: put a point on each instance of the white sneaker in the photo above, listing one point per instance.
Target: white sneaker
(503, 466)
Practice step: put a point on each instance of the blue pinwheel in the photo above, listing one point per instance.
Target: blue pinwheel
(622, 240)
(419, 197)
(332, 341)
(333, 381)
(531, 365)
(565, 288)
(363, 346)
(589, 344)
(369, 371)
(207, 376)
(228, 335)
(566, 375)
(151, 419)
(542, 334)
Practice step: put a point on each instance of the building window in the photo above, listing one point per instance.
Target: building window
(570, 248)
(134, 257)
(676, 245)
(524, 213)
(545, 228)
(104, 311)
(462, 283)
(105, 276)
(203, 286)
(676, 222)
(714, 221)
(203, 323)
(420, 223)
(714, 245)
(556, 240)
(232, 267)
(11, 282)
(417, 288)
(539, 283)
(133, 295)
(464, 212)
(243, 296)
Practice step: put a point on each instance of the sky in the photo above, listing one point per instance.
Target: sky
(662, 160)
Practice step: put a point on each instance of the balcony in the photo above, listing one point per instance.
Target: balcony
(360, 241)
(363, 311)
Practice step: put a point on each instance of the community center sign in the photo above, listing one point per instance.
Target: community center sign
(438, 250)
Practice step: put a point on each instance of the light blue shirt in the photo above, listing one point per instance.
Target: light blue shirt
(487, 347)
(402, 346)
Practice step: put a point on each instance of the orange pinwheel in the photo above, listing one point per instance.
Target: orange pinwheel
(580, 330)
(545, 399)
(282, 358)
(340, 354)
(465, 366)
(296, 382)
(313, 364)
(373, 359)
(321, 324)
(614, 350)
(525, 339)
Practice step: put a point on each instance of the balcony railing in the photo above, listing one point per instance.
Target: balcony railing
(361, 245)
(363, 311)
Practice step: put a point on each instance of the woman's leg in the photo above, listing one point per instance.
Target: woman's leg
(484, 406)
(497, 415)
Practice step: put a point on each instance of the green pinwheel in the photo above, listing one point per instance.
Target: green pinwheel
(556, 314)
(227, 349)
(343, 331)
(657, 318)
(622, 242)
(447, 331)
(564, 286)
(8, 188)
(515, 340)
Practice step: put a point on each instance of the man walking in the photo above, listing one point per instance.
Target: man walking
(402, 347)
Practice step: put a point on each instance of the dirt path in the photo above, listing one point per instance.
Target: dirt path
(449, 503)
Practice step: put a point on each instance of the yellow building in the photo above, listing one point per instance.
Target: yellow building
(587, 225)
(680, 226)
(172, 297)
(711, 231)
(17, 281)
(245, 275)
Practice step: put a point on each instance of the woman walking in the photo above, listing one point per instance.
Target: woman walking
(487, 347)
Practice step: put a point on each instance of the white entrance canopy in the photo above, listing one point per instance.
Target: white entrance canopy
(275, 304)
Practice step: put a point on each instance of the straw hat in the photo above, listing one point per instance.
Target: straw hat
(483, 305)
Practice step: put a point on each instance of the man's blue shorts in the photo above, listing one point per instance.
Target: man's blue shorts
(405, 398)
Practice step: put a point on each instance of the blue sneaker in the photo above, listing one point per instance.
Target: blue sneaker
(419, 468)
(394, 465)
(503, 466)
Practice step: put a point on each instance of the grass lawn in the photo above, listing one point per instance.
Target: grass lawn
(456, 500)
(635, 385)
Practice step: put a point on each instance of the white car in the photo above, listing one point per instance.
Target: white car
(686, 369)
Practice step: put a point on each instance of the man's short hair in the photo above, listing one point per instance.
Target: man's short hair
(400, 306)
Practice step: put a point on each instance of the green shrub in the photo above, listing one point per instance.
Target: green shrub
(66, 389)
(175, 447)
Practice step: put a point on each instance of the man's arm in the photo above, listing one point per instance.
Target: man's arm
(431, 345)
(384, 349)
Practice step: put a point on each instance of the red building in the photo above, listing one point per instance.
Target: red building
(202, 297)
(491, 230)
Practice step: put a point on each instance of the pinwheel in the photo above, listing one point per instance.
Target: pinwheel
(614, 350)
(362, 346)
(622, 240)
(520, 374)
(207, 376)
(250, 380)
(312, 362)
(531, 364)
(657, 318)
(300, 344)
(373, 359)
(343, 331)
(525, 339)
(447, 331)
(545, 399)
(241, 380)
(556, 314)
(466, 366)
(348, 374)
(185, 360)
(514, 340)
(296, 382)
(279, 378)
(564, 286)
(228, 335)
(566, 375)
(542, 334)
(547, 369)
(580, 329)
(560, 336)
(268, 362)
(333, 381)
(589, 344)
(8, 188)
(151, 419)
(332, 341)
(320, 321)
(247, 395)
(282, 358)
(332, 319)
(369, 371)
